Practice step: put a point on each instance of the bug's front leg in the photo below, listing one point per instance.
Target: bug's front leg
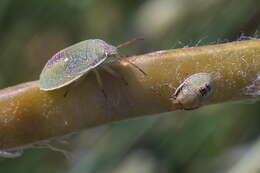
(114, 74)
(124, 58)
(100, 83)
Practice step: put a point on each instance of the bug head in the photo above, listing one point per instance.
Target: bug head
(109, 50)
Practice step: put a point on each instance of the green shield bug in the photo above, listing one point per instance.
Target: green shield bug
(193, 92)
(73, 62)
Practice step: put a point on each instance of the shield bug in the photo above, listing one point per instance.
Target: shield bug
(73, 62)
(193, 92)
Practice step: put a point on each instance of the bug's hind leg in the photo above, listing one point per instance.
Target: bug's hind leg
(68, 89)
(115, 74)
(100, 83)
(124, 58)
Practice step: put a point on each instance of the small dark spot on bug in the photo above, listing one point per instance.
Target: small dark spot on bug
(204, 91)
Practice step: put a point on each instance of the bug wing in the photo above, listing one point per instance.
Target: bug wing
(70, 64)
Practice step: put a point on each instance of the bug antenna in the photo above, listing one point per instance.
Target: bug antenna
(122, 57)
(129, 42)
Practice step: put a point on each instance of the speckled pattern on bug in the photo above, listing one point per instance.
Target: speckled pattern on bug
(71, 63)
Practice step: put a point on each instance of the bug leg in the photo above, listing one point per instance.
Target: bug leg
(123, 58)
(115, 74)
(172, 87)
(156, 92)
(67, 91)
(100, 83)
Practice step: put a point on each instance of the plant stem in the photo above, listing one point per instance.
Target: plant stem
(28, 115)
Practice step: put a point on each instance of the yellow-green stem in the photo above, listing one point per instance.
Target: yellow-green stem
(28, 115)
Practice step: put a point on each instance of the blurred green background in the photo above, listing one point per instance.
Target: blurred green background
(211, 139)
